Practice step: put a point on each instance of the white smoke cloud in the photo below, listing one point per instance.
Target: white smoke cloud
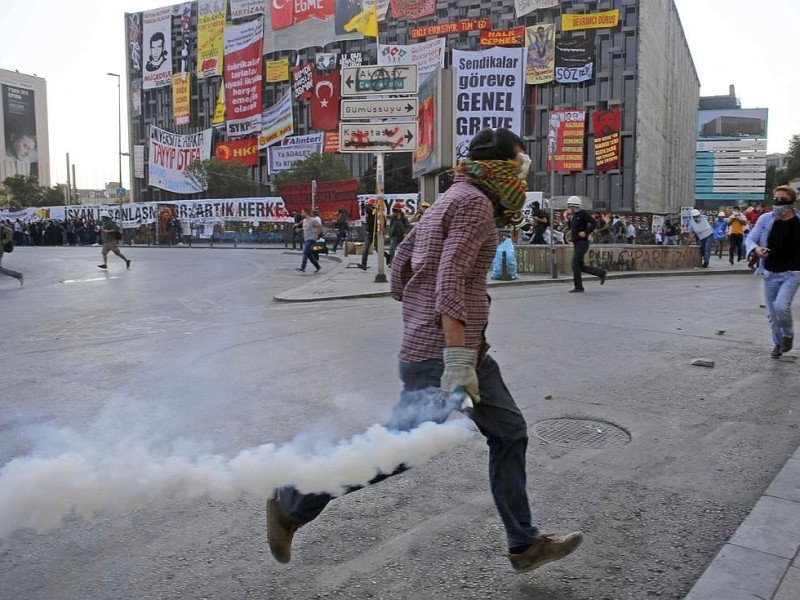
(83, 478)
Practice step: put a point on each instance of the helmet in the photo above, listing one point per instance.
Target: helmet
(695, 212)
(372, 202)
(721, 215)
(425, 204)
(398, 206)
(105, 214)
(574, 201)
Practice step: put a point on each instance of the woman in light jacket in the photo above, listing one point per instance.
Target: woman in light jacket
(775, 242)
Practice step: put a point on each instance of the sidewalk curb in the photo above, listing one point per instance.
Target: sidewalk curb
(292, 295)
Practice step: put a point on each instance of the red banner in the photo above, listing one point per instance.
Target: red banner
(325, 101)
(243, 73)
(329, 198)
(413, 9)
(445, 28)
(331, 141)
(565, 138)
(303, 82)
(281, 15)
(506, 37)
(243, 151)
(606, 125)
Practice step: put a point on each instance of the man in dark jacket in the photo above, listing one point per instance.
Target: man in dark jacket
(581, 226)
(369, 231)
(398, 227)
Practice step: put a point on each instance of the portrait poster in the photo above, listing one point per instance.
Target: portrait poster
(19, 126)
(210, 37)
(540, 53)
(169, 154)
(606, 125)
(487, 92)
(157, 39)
(575, 60)
(243, 74)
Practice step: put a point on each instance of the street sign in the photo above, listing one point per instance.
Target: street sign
(378, 137)
(379, 109)
(121, 192)
(381, 79)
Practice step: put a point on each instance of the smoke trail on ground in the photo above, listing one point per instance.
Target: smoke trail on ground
(88, 477)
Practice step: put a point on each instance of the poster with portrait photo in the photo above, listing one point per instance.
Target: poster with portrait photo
(19, 126)
(157, 41)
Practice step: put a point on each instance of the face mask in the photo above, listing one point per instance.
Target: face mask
(524, 166)
(781, 211)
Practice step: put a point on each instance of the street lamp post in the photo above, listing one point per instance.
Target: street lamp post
(119, 123)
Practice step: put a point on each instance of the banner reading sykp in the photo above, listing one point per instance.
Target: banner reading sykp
(243, 59)
(488, 92)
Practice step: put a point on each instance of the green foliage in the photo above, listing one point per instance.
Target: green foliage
(317, 167)
(55, 196)
(793, 158)
(24, 191)
(224, 179)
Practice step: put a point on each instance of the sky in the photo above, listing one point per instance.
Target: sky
(74, 44)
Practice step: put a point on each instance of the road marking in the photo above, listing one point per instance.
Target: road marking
(88, 280)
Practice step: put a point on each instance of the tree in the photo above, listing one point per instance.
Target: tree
(793, 158)
(23, 192)
(317, 167)
(54, 196)
(223, 179)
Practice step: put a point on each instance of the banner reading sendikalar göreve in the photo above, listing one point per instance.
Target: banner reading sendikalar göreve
(488, 92)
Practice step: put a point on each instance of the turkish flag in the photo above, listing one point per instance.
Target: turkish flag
(325, 102)
(281, 13)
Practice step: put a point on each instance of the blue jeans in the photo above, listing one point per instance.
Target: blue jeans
(308, 255)
(367, 248)
(779, 291)
(497, 417)
(705, 249)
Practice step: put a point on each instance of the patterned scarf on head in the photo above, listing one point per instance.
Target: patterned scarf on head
(498, 178)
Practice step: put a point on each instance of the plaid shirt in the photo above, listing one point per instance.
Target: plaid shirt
(441, 269)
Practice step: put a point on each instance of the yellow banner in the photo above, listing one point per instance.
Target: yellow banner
(599, 20)
(180, 97)
(210, 43)
(276, 70)
(219, 109)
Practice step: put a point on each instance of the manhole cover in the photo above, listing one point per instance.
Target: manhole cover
(580, 433)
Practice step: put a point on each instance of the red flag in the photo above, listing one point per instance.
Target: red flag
(321, 9)
(243, 151)
(325, 102)
(413, 9)
(281, 13)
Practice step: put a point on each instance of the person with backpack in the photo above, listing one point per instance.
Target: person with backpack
(7, 245)
(112, 234)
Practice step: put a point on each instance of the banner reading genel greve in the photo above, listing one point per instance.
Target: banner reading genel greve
(210, 37)
(170, 154)
(488, 92)
(243, 74)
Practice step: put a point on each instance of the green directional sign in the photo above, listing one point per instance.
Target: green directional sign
(380, 79)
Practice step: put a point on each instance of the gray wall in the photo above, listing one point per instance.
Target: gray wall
(667, 96)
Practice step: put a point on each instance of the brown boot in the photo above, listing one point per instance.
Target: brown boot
(548, 548)
(280, 531)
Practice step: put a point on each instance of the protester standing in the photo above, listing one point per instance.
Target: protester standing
(737, 222)
(312, 230)
(439, 275)
(398, 227)
(371, 210)
(581, 225)
(342, 227)
(775, 241)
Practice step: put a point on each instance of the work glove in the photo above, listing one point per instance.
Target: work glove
(459, 371)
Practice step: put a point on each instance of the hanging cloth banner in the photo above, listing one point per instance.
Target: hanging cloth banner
(157, 26)
(523, 7)
(565, 140)
(210, 37)
(575, 60)
(540, 53)
(607, 125)
(243, 75)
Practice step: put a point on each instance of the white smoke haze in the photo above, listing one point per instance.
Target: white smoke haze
(84, 477)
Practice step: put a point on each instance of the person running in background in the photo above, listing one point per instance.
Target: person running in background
(720, 233)
(112, 234)
(6, 246)
(737, 222)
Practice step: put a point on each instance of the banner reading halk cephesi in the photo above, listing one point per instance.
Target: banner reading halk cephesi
(170, 154)
(210, 37)
(540, 53)
(488, 92)
(157, 25)
(575, 60)
(566, 135)
(243, 74)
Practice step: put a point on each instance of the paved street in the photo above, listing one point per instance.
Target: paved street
(187, 354)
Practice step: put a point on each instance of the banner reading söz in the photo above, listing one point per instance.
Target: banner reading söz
(488, 91)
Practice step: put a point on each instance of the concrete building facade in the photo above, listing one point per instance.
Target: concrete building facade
(642, 65)
(23, 127)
